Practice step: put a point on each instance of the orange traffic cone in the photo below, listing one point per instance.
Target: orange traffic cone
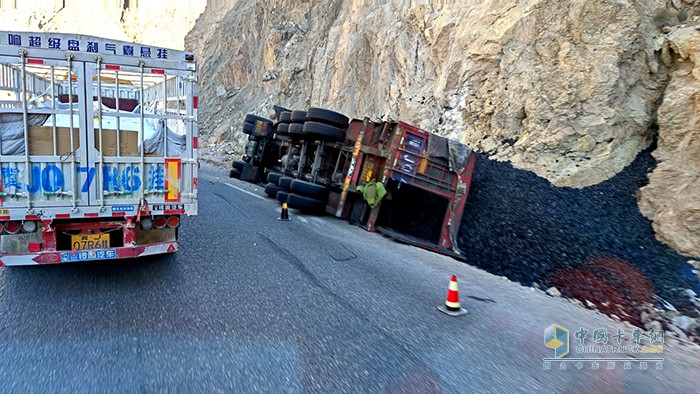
(452, 306)
(284, 216)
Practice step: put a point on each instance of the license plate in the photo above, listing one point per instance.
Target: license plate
(89, 242)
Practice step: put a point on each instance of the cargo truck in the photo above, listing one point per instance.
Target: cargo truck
(390, 177)
(98, 153)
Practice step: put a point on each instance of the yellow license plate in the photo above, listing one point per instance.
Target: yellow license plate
(88, 242)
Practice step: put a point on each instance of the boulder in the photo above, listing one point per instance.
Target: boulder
(672, 197)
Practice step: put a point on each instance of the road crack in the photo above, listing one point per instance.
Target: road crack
(295, 261)
(239, 210)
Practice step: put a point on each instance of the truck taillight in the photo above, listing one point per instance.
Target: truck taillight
(146, 223)
(12, 227)
(173, 221)
(2, 227)
(29, 226)
(159, 222)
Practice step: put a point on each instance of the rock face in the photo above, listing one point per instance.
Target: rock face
(672, 198)
(152, 23)
(566, 89)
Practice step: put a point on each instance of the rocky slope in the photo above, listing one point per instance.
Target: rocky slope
(566, 89)
(163, 26)
(672, 197)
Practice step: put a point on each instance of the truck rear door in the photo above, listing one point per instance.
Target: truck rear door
(144, 133)
(46, 94)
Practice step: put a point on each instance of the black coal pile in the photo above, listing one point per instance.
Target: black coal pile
(518, 225)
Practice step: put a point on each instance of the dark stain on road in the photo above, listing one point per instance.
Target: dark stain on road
(239, 210)
(482, 299)
(341, 253)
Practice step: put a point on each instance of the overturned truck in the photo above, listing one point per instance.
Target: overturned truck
(389, 177)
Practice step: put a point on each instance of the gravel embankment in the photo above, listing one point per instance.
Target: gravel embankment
(518, 225)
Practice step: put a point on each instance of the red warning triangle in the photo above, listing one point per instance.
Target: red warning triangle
(171, 248)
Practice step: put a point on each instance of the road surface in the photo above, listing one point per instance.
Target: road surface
(251, 304)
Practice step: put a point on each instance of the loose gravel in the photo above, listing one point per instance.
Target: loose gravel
(518, 225)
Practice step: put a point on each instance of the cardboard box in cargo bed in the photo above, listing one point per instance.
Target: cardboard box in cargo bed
(41, 141)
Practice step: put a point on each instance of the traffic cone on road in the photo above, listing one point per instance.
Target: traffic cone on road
(452, 306)
(284, 216)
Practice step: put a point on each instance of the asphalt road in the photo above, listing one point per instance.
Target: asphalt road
(251, 304)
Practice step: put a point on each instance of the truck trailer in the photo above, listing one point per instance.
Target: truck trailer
(386, 176)
(98, 148)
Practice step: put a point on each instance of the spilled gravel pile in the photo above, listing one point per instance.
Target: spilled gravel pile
(519, 226)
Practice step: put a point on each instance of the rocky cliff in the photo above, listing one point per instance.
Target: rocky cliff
(158, 24)
(672, 198)
(566, 89)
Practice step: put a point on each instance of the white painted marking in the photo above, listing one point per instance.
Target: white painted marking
(303, 219)
(244, 191)
(25, 259)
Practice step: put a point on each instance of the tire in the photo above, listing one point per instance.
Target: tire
(283, 129)
(308, 189)
(285, 117)
(298, 116)
(235, 174)
(271, 190)
(238, 165)
(274, 177)
(282, 196)
(248, 128)
(305, 203)
(285, 182)
(328, 116)
(250, 118)
(296, 131)
(324, 132)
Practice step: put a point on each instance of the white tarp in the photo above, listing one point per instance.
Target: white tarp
(12, 132)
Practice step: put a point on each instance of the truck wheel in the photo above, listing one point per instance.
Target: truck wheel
(296, 130)
(282, 196)
(285, 182)
(248, 128)
(327, 116)
(309, 189)
(283, 129)
(274, 177)
(235, 174)
(324, 132)
(298, 116)
(271, 190)
(238, 165)
(285, 117)
(305, 203)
